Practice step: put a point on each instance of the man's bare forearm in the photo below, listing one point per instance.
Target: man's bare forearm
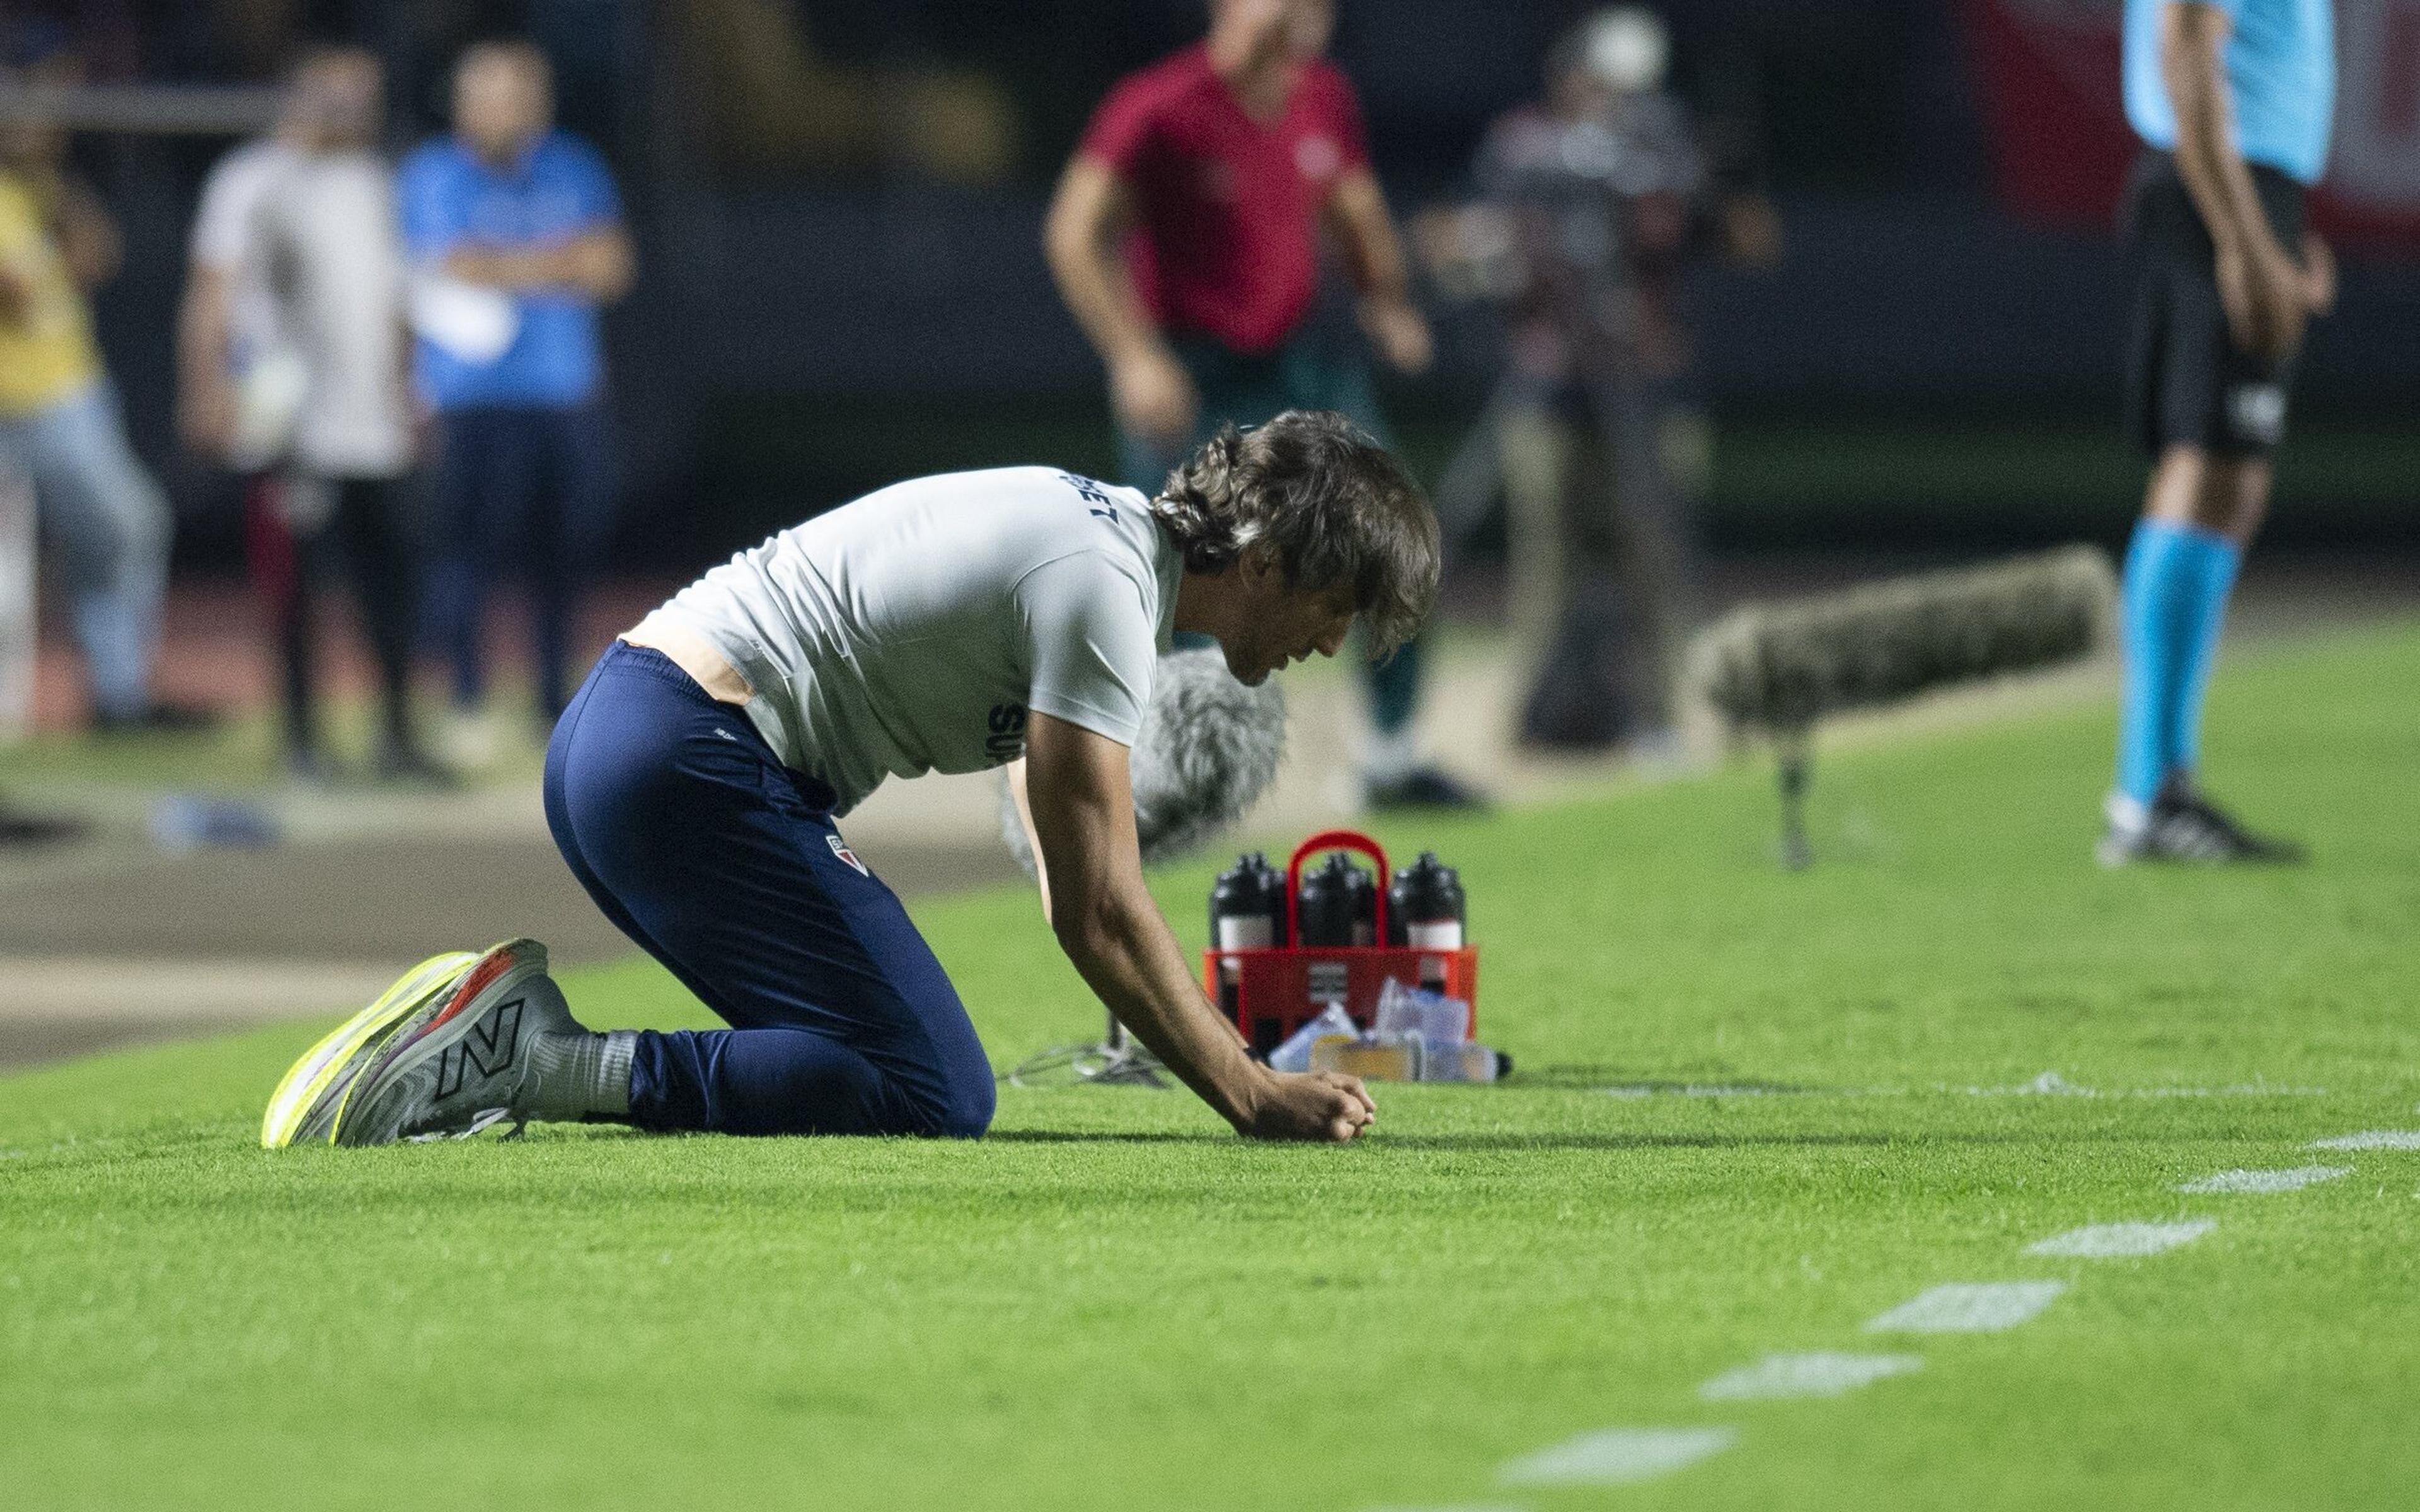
(598, 263)
(1373, 252)
(1125, 952)
(204, 383)
(1078, 243)
(2193, 44)
(1024, 802)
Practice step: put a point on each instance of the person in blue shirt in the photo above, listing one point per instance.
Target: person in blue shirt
(2233, 99)
(516, 236)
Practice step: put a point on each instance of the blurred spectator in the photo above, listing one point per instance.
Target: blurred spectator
(60, 426)
(1593, 203)
(1185, 237)
(292, 371)
(515, 232)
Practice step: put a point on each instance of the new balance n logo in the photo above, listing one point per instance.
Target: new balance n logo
(487, 1048)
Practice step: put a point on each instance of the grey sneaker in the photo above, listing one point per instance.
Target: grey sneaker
(2180, 824)
(468, 1058)
(313, 1094)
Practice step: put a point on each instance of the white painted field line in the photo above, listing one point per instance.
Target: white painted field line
(2112, 1242)
(1969, 1307)
(1617, 1456)
(1779, 1376)
(2242, 1181)
(2372, 1139)
(2049, 1084)
(1461, 1506)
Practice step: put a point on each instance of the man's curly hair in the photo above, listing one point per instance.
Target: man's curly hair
(1334, 504)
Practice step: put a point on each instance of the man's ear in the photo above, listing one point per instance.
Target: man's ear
(1258, 563)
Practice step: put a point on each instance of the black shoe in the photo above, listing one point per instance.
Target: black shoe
(157, 718)
(2183, 825)
(19, 828)
(1425, 787)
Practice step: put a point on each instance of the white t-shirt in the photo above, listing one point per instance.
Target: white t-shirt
(312, 245)
(911, 630)
(223, 243)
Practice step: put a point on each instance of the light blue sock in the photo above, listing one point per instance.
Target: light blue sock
(2178, 577)
(2219, 560)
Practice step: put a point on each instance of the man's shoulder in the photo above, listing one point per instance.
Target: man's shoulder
(1041, 514)
(249, 160)
(562, 151)
(1323, 80)
(438, 160)
(1170, 83)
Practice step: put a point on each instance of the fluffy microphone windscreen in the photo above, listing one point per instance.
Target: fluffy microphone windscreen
(1209, 747)
(1782, 667)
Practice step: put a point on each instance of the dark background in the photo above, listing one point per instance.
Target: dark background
(838, 210)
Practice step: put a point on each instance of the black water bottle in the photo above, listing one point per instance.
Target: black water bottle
(1337, 906)
(1426, 911)
(1248, 906)
(1425, 908)
(1362, 889)
(1247, 913)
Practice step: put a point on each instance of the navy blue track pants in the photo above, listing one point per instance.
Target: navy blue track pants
(724, 865)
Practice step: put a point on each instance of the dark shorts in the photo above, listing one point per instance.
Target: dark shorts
(2187, 384)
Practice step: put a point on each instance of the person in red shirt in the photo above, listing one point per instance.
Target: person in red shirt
(1185, 236)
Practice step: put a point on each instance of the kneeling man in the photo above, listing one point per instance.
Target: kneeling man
(947, 623)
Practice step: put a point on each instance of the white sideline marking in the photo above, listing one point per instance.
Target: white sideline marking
(1969, 1307)
(1461, 1506)
(1634, 1092)
(2049, 1084)
(2292, 1181)
(1807, 1375)
(1617, 1456)
(2111, 1241)
(2372, 1139)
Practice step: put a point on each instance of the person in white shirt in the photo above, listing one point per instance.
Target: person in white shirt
(1007, 618)
(293, 371)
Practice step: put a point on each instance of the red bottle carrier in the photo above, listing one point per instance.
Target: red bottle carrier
(1272, 993)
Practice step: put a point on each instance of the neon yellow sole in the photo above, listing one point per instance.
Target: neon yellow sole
(314, 1076)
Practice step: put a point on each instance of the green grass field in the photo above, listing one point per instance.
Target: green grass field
(1111, 1303)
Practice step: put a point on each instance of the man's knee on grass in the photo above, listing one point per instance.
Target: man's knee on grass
(967, 1111)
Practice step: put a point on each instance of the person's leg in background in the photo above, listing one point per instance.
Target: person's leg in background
(1394, 775)
(1568, 605)
(569, 528)
(1652, 542)
(380, 558)
(727, 868)
(286, 517)
(1534, 450)
(113, 529)
(2201, 513)
(485, 472)
(270, 563)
